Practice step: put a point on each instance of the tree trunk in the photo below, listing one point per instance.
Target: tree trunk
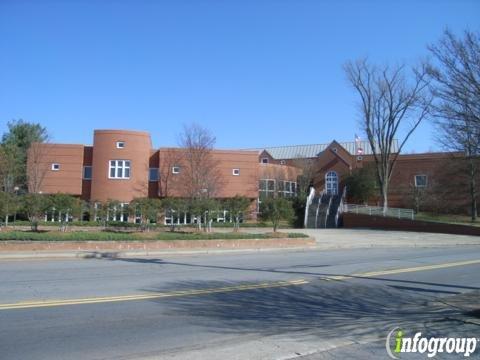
(385, 198)
(473, 192)
(34, 225)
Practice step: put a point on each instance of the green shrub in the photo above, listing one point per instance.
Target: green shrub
(108, 236)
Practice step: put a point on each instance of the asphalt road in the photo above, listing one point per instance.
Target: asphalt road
(269, 305)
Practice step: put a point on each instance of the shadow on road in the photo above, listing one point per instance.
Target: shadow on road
(357, 309)
(320, 309)
(284, 270)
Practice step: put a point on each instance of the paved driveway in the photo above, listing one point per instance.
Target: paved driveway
(365, 238)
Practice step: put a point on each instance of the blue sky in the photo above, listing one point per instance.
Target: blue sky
(257, 73)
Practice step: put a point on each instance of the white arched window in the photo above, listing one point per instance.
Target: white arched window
(331, 183)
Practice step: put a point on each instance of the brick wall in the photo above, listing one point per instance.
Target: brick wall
(352, 221)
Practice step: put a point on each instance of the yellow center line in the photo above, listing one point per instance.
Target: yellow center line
(158, 295)
(179, 293)
(404, 270)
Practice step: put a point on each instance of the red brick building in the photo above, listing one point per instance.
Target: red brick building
(436, 181)
(122, 165)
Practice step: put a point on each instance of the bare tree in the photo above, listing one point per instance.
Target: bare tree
(200, 174)
(306, 178)
(455, 75)
(391, 105)
(169, 158)
(37, 166)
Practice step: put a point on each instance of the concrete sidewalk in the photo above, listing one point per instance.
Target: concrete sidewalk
(326, 239)
(367, 238)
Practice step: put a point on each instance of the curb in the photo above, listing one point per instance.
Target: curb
(124, 254)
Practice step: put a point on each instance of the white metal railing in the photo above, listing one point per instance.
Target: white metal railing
(340, 206)
(399, 213)
(318, 207)
(310, 197)
(327, 212)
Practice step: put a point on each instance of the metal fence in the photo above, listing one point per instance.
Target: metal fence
(398, 213)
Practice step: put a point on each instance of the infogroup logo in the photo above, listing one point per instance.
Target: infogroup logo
(397, 343)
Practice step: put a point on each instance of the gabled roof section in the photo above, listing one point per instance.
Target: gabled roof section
(337, 149)
(313, 150)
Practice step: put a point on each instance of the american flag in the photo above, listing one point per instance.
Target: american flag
(358, 147)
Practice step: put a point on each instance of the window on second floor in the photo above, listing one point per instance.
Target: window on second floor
(236, 172)
(119, 169)
(55, 167)
(120, 144)
(266, 188)
(153, 174)
(264, 160)
(175, 169)
(420, 181)
(87, 173)
(288, 188)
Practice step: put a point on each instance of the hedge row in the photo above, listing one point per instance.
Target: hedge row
(105, 236)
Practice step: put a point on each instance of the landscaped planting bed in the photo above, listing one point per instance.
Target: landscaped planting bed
(109, 236)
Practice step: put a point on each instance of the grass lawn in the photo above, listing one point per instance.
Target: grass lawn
(135, 236)
(447, 218)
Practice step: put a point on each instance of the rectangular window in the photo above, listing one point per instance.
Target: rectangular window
(262, 185)
(266, 188)
(175, 169)
(264, 160)
(119, 169)
(420, 180)
(270, 185)
(120, 144)
(118, 213)
(236, 172)
(289, 188)
(87, 173)
(55, 167)
(153, 174)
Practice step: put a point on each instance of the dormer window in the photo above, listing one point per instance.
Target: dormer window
(264, 160)
(282, 162)
(334, 149)
(120, 144)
